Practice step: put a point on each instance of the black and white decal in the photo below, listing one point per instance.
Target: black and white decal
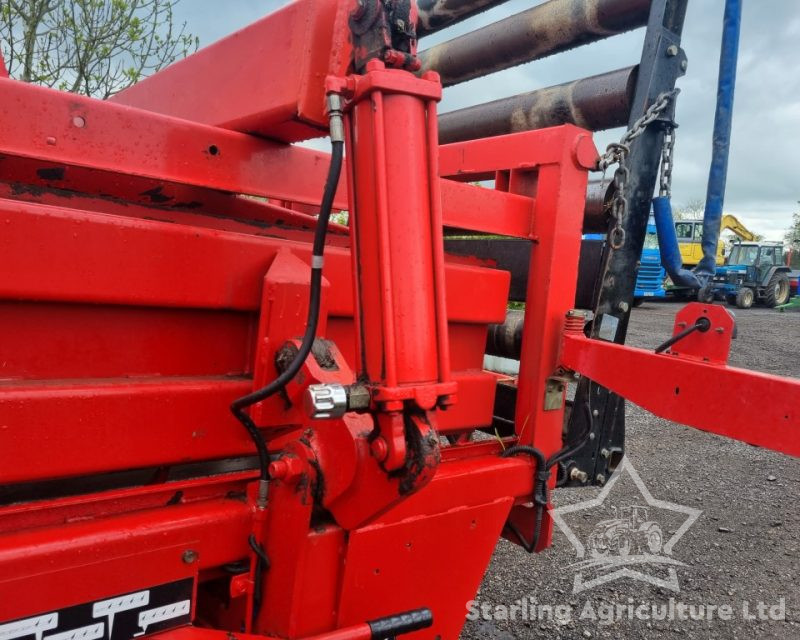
(122, 617)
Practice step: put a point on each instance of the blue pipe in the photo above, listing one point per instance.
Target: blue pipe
(723, 117)
(668, 245)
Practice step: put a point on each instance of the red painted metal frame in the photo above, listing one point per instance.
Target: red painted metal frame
(735, 410)
(143, 293)
(174, 349)
(182, 165)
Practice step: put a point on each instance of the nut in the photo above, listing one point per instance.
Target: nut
(577, 474)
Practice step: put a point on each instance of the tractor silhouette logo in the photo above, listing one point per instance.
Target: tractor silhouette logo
(629, 532)
(634, 542)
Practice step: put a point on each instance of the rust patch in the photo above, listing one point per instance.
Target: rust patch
(51, 173)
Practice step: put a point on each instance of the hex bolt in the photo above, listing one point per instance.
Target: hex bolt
(684, 65)
(672, 51)
(578, 474)
(595, 412)
(600, 479)
(358, 397)
(190, 556)
(605, 453)
(623, 306)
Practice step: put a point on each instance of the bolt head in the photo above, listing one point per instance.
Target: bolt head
(379, 449)
(672, 51)
(600, 479)
(190, 556)
(684, 65)
(623, 306)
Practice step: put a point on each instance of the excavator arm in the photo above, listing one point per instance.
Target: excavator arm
(732, 223)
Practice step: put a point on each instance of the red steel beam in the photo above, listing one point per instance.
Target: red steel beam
(267, 78)
(119, 554)
(66, 129)
(208, 268)
(681, 389)
(86, 427)
(63, 131)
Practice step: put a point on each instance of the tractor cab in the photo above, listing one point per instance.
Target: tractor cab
(754, 272)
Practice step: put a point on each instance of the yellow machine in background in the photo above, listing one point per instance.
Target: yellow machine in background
(690, 236)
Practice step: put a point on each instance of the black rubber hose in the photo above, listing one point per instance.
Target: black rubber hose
(239, 406)
(544, 465)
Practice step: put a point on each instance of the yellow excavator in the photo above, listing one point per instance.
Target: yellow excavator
(690, 235)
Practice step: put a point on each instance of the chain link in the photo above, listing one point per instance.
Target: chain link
(617, 154)
(667, 161)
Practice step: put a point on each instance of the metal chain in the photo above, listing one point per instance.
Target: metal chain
(667, 161)
(617, 154)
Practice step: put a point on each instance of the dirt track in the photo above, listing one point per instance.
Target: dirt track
(743, 548)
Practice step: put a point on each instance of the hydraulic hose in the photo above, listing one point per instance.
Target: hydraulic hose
(239, 406)
(723, 119)
(668, 245)
(541, 496)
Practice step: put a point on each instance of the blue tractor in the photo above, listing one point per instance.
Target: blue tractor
(754, 272)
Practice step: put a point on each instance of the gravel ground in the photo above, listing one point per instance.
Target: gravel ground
(744, 548)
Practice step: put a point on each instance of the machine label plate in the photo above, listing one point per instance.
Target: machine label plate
(122, 617)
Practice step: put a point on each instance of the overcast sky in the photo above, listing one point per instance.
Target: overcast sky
(763, 185)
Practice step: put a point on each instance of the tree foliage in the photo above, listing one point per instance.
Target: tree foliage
(692, 210)
(793, 233)
(92, 47)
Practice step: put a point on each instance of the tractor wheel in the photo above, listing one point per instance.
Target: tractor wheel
(706, 295)
(777, 291)
(745, 298)
(655, 539)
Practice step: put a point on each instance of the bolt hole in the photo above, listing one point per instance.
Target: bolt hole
(377, 572)
(79, 121)
(677, 391)
(213, 150)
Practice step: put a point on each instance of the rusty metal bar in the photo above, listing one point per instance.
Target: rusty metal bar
(535, 33)
(595, 103)
(598, 205)
(435, 15)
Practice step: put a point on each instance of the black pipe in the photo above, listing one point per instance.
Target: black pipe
(595, 103)
(533, 34)
(435, 15)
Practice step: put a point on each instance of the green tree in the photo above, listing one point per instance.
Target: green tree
(793, 233)
(92, 47)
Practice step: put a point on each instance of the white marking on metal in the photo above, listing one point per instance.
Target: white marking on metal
(159, 614)
(90, 632)
(35, 626)
(113, 606)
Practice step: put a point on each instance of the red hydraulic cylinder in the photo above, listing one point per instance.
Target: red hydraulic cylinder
(396, 223)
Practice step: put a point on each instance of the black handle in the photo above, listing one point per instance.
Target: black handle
(400, 623)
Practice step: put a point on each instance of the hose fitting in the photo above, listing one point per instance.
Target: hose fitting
(336, 123)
